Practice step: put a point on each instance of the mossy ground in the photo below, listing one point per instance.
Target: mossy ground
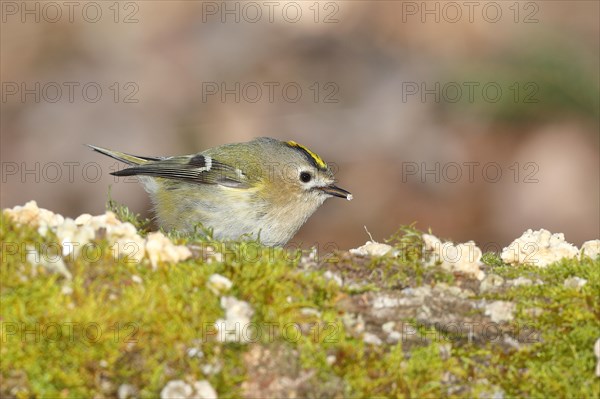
(121, 322)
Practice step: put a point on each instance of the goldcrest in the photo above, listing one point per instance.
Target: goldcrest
(264, 188)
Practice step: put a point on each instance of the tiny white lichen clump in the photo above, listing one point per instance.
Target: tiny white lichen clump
(179, 389)
(161, 249)
(372, 248)
(236, 325)
(462, 258)
(591, 249)
(371, 339)
(218, 284)
(72, 236)
(331, 276)
(127, 391)
(539, 248)
(51, 262)
(203, 390)
(176, 389)
(575, 282)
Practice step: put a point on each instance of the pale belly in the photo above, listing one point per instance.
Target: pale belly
(230, 213)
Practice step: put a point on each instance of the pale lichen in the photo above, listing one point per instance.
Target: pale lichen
(539, 248)
(462, 258)
(218, 284)
(76, 234)
(236, 325)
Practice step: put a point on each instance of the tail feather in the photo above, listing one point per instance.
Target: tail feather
(123, 157)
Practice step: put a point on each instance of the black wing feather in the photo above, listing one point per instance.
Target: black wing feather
(192, 171)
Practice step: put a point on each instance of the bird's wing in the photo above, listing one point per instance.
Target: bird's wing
(199, 169)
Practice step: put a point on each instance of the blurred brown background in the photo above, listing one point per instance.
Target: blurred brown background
(478, 119)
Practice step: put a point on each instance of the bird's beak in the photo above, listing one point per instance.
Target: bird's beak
(336, 192)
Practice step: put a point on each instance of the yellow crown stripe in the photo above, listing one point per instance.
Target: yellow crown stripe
(317, 159)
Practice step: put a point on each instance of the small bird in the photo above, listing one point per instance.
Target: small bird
(264, 188)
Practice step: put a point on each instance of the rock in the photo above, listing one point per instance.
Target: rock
(500, 311)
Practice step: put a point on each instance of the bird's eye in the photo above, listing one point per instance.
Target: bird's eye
(305, 177)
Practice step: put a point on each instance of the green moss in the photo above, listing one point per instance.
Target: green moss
(492, 259)
(123, 322)
(126, 215)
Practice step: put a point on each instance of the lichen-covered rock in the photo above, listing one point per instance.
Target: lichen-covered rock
(351, 313)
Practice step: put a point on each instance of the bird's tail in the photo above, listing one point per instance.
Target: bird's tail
(123, 157)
